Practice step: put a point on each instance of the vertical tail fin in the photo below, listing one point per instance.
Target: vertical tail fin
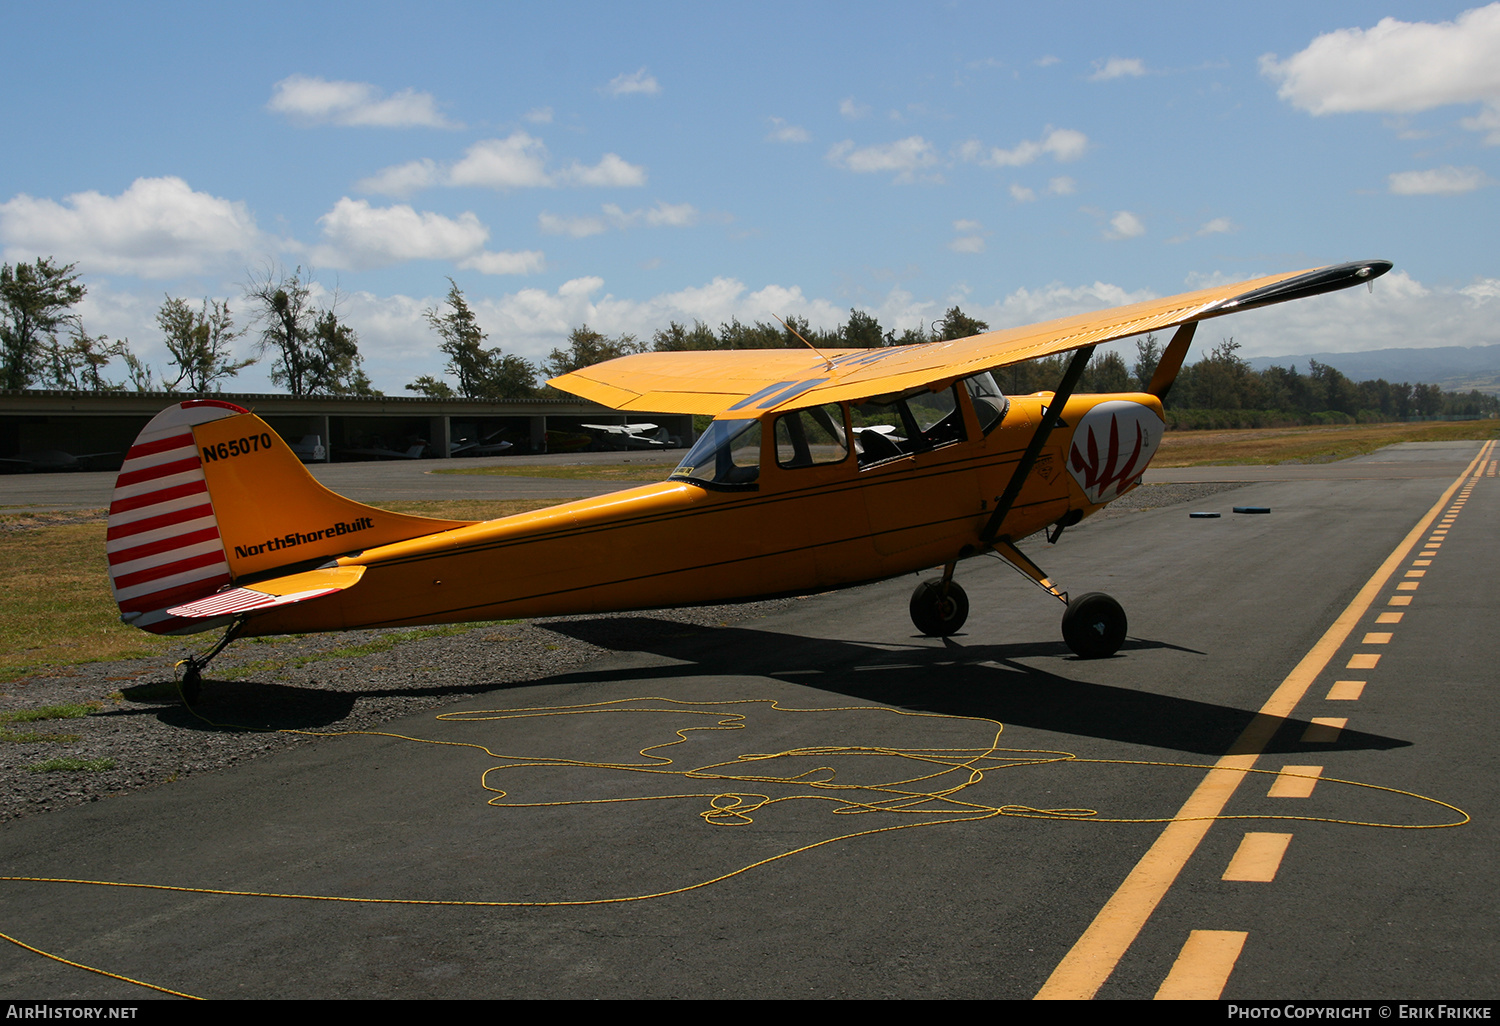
(209, 496)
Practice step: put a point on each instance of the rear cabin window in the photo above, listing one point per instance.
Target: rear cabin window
(888, 427)
(807, 438)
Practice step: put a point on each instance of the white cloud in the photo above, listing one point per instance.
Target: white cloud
(401, 180)
(539, 115)
(1062, 185)
(577, 227)
(1125, 225)
(526, 262)
(662, 215)
(515, 162)
(1399, 67)
(1021, 194)
(853, 111)
(359, 236)
(612, 171)
(671, 215)
(1487, 121)
(781, 131)
(1117, 67)
(1440, 181)
(1216, 226)
(906, 157)
(971, 237)
(315, 101)
(635, 82)
(1047, 61)
(1062, 144)
(519, 161)
(157, 228)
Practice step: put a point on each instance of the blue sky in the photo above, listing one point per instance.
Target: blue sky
(623, 166)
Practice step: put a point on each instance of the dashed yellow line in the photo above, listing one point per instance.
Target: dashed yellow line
(1346, 690)
(1203, 967)
(1295, 782)
(1324, 730)
(1093, 958)
(1257, 858)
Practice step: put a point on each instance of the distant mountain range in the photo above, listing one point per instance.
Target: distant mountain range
(1455, 368)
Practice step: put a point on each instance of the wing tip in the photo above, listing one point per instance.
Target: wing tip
(1308, 283)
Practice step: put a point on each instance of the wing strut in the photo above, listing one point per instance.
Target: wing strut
(1170, 363)
(1049, 421)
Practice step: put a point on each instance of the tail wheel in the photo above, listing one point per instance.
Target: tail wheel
(937, 614)
(1094, 626)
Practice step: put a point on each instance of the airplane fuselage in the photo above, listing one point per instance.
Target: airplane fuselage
(797, 530)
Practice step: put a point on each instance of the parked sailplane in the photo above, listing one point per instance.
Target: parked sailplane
(820, 470)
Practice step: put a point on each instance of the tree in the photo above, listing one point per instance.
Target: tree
(482, 373)
(675, 338)
(587, 347)
(285, 312)
(432, 388)
(75, 365)
(316, 353)
(957, 324)
(34, 303)
(199, 343)
(334, 366)
(1147, 356)
(862, 331)
(910, 337)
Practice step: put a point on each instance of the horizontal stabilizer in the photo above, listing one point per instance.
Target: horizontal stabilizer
(282, 591)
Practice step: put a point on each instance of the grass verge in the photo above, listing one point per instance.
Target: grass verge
(72, 765)
(56, 609)
(575, 472)
(1264, 446)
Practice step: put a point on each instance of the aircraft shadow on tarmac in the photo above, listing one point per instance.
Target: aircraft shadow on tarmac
(963, 680)
(233, 705)
(958, 679)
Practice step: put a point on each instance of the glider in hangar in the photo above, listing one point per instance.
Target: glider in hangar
(820, 470)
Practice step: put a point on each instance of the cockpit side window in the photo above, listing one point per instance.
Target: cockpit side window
(890, 426)
(990, 404)
(727, 455)
(806, 438)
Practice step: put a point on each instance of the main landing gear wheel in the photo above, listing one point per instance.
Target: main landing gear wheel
(1094, 626)
(936, 614)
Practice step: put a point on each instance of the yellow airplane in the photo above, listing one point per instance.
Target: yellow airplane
(820, 470)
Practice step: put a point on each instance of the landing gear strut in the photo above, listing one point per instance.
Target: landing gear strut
(1093, 625)
(192, 673)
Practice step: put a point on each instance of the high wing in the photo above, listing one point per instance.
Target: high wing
(713, 381)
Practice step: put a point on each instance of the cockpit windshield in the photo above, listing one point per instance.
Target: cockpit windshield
(727, 455)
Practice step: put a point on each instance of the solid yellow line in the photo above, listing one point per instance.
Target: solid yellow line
(1203, 967)
(1090, 961)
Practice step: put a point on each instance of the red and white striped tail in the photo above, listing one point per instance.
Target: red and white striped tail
(163, 543)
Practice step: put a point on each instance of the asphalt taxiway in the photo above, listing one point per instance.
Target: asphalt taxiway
(998, 883)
